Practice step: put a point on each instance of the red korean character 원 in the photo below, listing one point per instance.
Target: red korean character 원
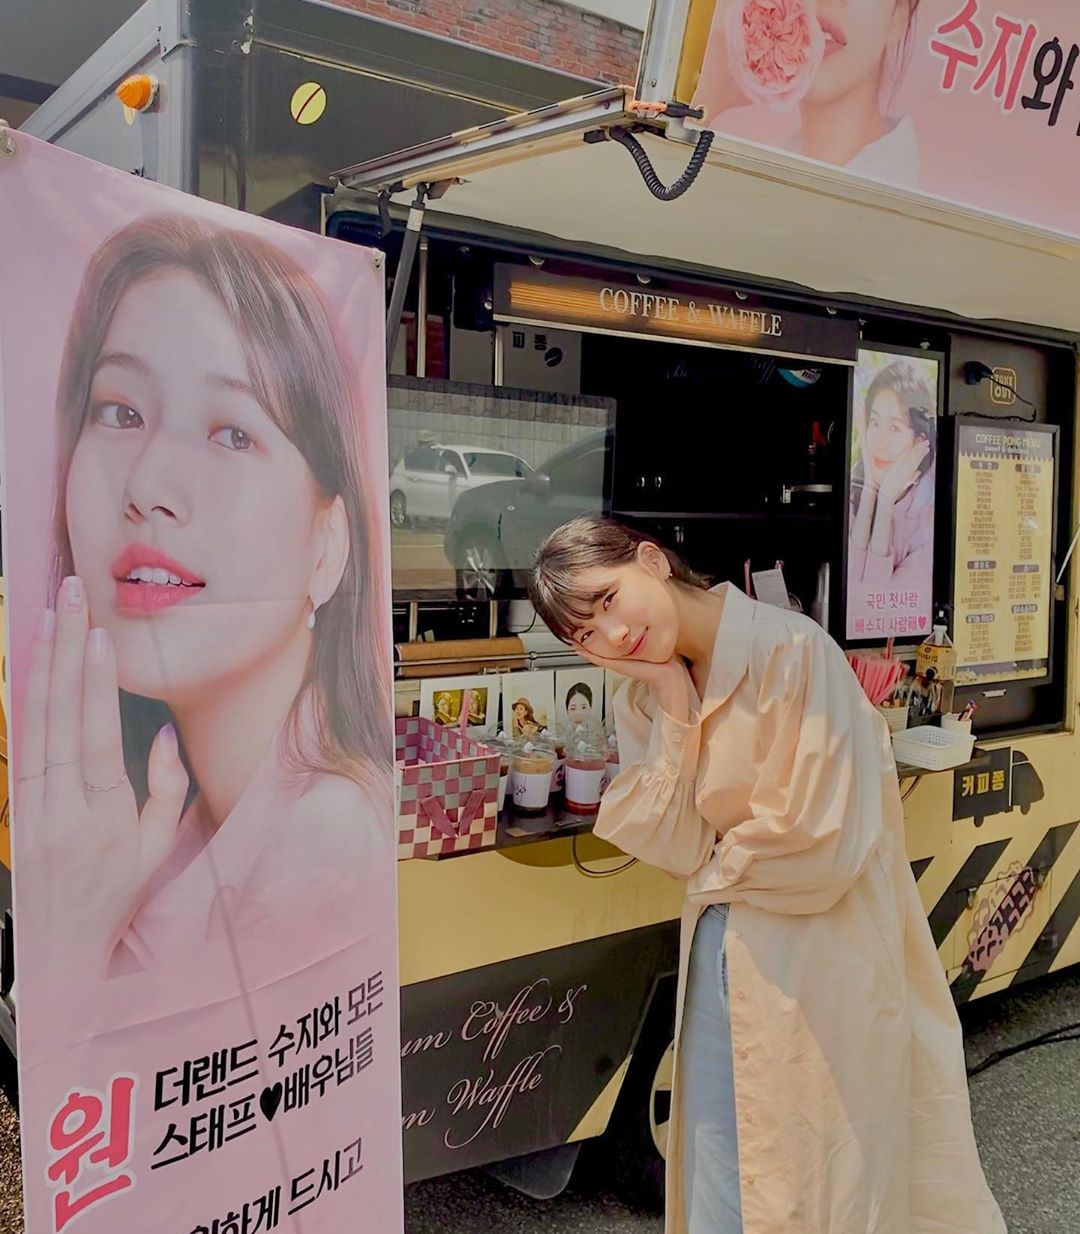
(953, 54)
(74, 1136)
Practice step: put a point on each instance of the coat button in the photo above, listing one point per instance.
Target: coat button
(749, 1180)
(743, 1052)
(677, 738)
(741, 995)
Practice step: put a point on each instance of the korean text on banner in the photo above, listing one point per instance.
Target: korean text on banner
(198, 650)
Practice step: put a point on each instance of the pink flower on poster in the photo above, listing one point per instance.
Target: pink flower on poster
(775, 47)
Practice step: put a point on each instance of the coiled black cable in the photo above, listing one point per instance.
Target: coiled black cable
(655, 185)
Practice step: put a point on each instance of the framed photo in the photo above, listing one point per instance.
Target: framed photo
(441, 699)
(579, 694)
(529, 703)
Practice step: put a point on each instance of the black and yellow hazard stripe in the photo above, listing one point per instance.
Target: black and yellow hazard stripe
(1053, 937)
(1039, 863)
(978, 866)
(977, 869)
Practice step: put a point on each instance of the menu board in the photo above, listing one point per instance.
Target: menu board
(1005, 486)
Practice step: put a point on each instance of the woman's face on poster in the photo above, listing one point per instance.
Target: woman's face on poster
(889, 433)
(578, 708)
(195, 524)
(858, 37)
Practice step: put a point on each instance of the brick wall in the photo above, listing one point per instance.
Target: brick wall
(542, 31)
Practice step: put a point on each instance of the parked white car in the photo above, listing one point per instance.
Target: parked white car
(427, 482)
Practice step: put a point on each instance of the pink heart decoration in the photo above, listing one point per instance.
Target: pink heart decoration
(922, 623)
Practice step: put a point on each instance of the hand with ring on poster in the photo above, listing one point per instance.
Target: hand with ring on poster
(895, 480)
(85, 850)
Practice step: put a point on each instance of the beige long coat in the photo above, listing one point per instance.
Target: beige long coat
(781, 797)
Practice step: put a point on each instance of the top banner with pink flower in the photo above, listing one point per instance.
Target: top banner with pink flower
(969, 101)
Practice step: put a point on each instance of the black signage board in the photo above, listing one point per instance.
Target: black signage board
(983, 787)
(509, 1058)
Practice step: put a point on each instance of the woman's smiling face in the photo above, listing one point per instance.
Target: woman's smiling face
(635, 617)
(195, 523)
(888, 431)
(578, 708)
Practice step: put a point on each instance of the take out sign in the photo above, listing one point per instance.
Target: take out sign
(701, 316)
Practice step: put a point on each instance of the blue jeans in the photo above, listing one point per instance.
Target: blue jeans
(710, 1146)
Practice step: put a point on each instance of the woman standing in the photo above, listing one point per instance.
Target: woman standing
(820, 1083)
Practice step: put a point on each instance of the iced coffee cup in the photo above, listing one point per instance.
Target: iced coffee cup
(531, 769)
(586, 763)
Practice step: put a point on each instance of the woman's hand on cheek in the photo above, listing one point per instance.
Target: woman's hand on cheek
(86, 853)
(652, 673)
(669, 680)
(898, 477)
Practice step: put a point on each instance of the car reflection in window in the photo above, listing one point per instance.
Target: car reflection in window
(494, 530)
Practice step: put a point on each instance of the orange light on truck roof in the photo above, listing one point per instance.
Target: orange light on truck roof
(137, 91)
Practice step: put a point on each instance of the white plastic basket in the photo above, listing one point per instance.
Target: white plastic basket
(931, 748)
(895, 717)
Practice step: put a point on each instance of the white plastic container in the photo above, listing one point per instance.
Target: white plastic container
(932, 749)
(895, 717)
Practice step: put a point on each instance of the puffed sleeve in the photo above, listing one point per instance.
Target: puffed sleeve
(649, 809)
(818, 805)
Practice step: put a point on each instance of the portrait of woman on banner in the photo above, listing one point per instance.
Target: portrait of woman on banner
(824, 77)
(892, 493)
(205, 759)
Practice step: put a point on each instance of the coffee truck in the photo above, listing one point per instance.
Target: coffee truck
(674, 326)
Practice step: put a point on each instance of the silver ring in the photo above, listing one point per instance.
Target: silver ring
(104, 788)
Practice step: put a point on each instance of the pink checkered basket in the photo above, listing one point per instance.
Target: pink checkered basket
(446, 789)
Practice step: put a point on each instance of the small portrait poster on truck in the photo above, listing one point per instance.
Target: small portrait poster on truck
(891, 495)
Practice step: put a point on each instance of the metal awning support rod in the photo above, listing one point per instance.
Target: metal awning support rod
(443, 158)
(404, 269)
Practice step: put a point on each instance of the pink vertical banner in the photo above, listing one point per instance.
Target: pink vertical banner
(197, 573)
(891, 495)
